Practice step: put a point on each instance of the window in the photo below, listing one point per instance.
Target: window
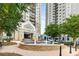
(63, 6)
(60, 16)
(60, 10)
(60, 4)
(63, 9)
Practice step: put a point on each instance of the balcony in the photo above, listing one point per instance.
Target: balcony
(32, 10)
(33, 17)
(32, 20)
(32, 14)
(33, 23)
(32, 6)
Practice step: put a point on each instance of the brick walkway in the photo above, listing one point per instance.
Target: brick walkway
(15, 49)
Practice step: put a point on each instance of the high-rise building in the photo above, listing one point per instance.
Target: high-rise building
(30, 24)
(38, 18)
(58, 12)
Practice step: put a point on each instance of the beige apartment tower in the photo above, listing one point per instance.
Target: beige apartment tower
(58, 12)
(31, 23)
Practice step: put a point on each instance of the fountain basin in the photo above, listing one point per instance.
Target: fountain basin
(40, 47)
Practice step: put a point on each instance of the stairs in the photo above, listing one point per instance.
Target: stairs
(28, 41)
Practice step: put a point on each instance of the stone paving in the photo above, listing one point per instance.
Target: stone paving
(15, 49)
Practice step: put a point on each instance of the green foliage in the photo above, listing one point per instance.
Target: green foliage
(52, 30)
(8, 39)
(71, 26)
(11, 15)
(68, 43)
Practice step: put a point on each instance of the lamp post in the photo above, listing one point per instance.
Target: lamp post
(70, 44)
(60, 48)
(70, 49)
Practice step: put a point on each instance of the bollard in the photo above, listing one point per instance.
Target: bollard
(60, 52)
(70, 49)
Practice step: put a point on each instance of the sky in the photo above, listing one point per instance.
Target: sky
(43, 17)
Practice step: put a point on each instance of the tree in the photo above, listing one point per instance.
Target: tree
(71, 26)
(11, 15)
(52, 30)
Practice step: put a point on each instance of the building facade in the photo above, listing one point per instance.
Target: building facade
(30, 24)
(38, 18)
(58, 12)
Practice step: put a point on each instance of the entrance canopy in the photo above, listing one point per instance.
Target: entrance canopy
(28, 27)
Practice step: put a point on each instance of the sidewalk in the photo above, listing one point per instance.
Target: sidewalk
(15, 49)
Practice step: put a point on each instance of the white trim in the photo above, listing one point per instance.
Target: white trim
(26, 23)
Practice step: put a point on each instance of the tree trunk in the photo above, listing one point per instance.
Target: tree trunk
(1, 34)
(74, 40)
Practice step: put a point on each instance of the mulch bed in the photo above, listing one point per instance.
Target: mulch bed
(9, 54)
(9, 43)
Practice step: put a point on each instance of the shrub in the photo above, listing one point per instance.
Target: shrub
(68, 43)
(8, 39)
